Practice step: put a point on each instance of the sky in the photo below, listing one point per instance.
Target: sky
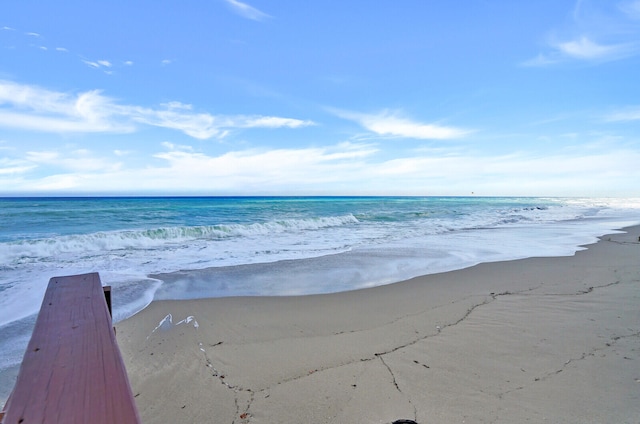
(320, 97)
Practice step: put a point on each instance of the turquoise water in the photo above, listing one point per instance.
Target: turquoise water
(176, 248)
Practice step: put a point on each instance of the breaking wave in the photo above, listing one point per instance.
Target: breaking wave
(113, 241)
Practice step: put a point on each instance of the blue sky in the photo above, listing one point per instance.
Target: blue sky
(264, 97)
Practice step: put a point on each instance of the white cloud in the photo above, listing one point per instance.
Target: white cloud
(34, 108)
(185, 170)
(629, 114)
(181, 147)
(631, 8)
(387, 123)
(62, 49)
(584, 48)
(257, 169)
(33, 34)
(540, 60)
(37, 109)
(91, 64)
(98, 64)
(14, 166)
(74, 161)
(58, 182)
(517, 174)
(599, 32)
(347, 168)
(203, 125)
(247, 11)
(165, 62)
(177, 105)
(60, 124)
(269, 122)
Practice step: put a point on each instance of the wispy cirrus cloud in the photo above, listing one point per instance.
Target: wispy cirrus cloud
(584, 49)
(269, 122)
(631, 9)
(179, 116)
(598, 33)
(392, 124)
(246, 11)
(37, 109)
(104, 65)
(628, 114)
(97, 64)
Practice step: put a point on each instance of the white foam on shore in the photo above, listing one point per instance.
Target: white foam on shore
(382, 264)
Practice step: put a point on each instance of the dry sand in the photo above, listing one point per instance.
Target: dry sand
(537, 340)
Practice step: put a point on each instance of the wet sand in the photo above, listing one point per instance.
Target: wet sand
(533, 340)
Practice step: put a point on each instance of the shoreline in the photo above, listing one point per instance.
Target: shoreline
(553, 338)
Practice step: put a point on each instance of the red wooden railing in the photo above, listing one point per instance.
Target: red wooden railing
(72, 371)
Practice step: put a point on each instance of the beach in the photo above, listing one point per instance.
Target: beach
(550, 339)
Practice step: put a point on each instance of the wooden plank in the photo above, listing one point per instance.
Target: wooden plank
(72, 371)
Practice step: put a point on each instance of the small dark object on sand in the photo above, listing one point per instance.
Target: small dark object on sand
(404, 422)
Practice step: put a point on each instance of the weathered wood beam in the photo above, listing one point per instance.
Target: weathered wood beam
(72, 371)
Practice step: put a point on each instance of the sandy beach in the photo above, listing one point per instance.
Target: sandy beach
(534, 340)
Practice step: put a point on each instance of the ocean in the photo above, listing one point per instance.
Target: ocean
(150, 248)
